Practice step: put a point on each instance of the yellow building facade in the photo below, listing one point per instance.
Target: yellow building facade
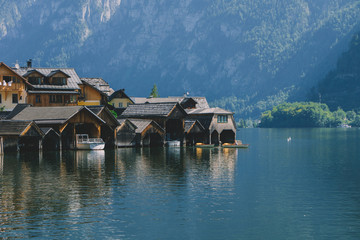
(120, 100)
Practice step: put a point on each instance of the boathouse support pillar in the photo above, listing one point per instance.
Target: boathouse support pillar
(1, 146)
(40, 145)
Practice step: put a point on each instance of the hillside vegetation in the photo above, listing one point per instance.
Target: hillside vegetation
(246, 56)
(341, 86)
(307, 114)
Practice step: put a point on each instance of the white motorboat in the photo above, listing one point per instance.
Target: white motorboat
(84, 142)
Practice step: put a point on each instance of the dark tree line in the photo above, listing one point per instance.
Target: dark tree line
(307, 114)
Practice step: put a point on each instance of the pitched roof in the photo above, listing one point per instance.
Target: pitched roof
(18, 108)
(208, 111)
(72, 81)
(101, 109)
(56, 115)
(33, 71)
(204, 120)
(142, 124)
(95, 88)
(189, 124)
(201, 102)
(122, 92)
(53, 72)
(47, 130)
(13, 128)
(99, 84)
(151, 109)
(96, 109)
(15, 72)
(124, 120)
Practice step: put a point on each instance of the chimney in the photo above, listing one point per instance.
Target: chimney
(29, 63)
(17, 66)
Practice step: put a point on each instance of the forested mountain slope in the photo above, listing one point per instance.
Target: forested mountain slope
(244, 55)
(341, 87)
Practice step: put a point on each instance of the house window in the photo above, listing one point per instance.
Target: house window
(55, 98)
(37, 99)
(35, 80)
(72, 99)
(59, 81)
(120, 104)
(16, 79)
(7, 78)
(11, 79)
(222, 118)
(15, 98)
(58, 98)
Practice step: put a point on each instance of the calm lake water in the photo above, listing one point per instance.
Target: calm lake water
(307, 188)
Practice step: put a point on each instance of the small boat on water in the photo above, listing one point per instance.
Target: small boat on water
(85, 143)
(237, 144)
(204, 145)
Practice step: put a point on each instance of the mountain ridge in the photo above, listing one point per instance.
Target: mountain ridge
(251, 50)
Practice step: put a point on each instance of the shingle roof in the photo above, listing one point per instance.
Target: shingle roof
(18, 108)
(208, 111)
(72, 81)
(141, 124)
(47, 130)
(189, 123)
(9, 127)
(119, 92)
(4, 114)
(95, 109)
(122, 121)
(102, 109)
(204, 120)
(149, 109)
(99, 84)
(33, 71)
(55, 115)
(201, 101)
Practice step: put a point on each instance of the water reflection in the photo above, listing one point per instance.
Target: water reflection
(60, 190)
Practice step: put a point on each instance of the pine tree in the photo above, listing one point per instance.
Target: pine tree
(154, 92)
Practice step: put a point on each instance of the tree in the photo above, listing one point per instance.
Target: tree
(154, 92)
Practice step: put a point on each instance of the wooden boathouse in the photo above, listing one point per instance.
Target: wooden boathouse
(194, 132)
(19, 136)
(66, 121)
(219, 124)
(125, 134)
(148, 133)
(51, 140)
(108, 129)
(169, 116)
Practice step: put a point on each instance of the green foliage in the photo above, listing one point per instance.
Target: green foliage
(249, 106)
(114, 113)
(154, 92)
(248, 123)
(341, 87)
(306, 114)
